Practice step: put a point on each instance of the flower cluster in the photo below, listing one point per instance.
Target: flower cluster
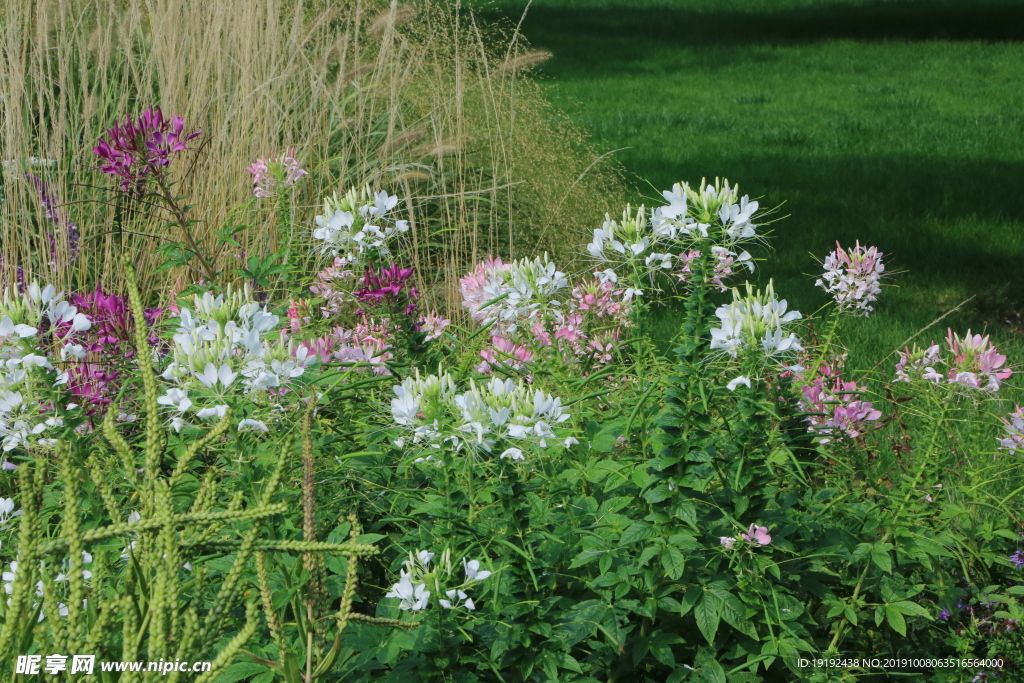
(385, 287)
(852, 277)
(509, 295)
(333, 285)
(975, 363)
(419, 576)
(272, 172)
(755, 323)
(91, 357)
(33, 326)
(755, 536)
(1014, 426)
(722, 268)
(431, 412)
(358, 225)
(367, 344)
(140, 147)
(219, 351)
(1017, 559)
(521, 302)
(712, 219)
(382, 306)
(836, 405)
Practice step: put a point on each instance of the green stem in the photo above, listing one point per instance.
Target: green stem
(918, 475)
(284, 225)
(182, 220)
(826, 346)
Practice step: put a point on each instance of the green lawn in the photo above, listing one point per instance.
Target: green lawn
(896, 123)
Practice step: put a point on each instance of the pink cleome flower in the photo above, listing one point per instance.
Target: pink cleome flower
(505, 354)
(842, 413)
(1014, 426)
(472, 286)
(757, 535)
(852, 277)
(270, 172)
(976, 361)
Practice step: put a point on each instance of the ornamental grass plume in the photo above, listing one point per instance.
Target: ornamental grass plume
(852, 277)
(142, 147)
(58, 216)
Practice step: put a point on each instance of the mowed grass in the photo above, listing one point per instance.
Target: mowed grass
(899, 124)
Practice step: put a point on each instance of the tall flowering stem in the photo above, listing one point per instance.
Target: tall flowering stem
(271, 175)
(136, 150)
(852, 277)
(927, 458)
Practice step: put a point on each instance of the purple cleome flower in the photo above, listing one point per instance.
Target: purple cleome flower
(136, 148)
(1018, 559)
(386, 286)
(93, 376)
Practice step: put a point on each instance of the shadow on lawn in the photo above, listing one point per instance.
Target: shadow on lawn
(621, 34)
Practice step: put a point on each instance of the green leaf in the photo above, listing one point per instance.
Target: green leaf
(677, 675)
(673, 562)
(607, 439)
(690, 598)
(880, 556)
(637, 531)
(586, 557)
(241, 670)
(713, 673)
(658, 494)
(735, 613)
(910, 609)
(648, 554)
(566, 661)
(896, 620)
(706, 614)
(616, 503)
(684, 542)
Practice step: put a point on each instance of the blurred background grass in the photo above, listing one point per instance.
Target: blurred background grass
(896, 123)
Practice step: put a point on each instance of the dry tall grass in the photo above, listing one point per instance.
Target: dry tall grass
(418, 99)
